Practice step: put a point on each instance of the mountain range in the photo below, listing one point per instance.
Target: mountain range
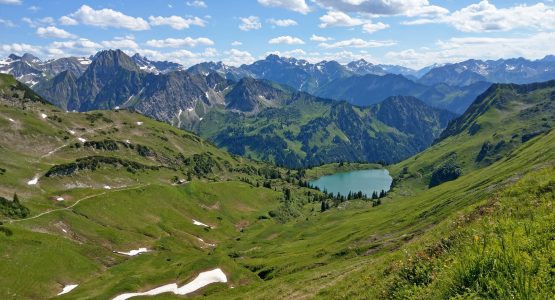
(105, 203)
(251, 116)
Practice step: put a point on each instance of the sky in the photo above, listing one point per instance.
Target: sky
(412, 33)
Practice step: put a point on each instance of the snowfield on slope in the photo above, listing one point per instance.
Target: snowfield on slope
(133, 252)
(203, 279)
(68, 288)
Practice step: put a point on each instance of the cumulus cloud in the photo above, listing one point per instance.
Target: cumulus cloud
(299, 6)
(337, 18)
(373, 27)
(285, 39)
(357, 43)
(197, 3)
(14, 2)
(46, 21)
(459, 49)
(65, 20)
(174, 43)
(236, 43)
(317, 38)
(283, 22)
(236, 57)
(341, 19)
(250, 23)
(384, 7)
(18, 48)
(54, 32)
(176, 22)
(484, 17)
(106, 17)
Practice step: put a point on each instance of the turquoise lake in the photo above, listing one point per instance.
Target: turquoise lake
(366, 181)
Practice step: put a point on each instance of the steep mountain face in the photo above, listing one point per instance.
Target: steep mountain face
(251, 96)
(31, 70)
(155, 67)
(229, 72)
(311, 131)
(362, 67)
(516, 70)
(370, 89)
(114, 80)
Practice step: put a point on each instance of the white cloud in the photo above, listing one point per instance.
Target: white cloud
(65, 20)
(297, 53)
(317, 38)
(285, 39)
(15, 2)
(176, 22)
(106, 17)
(236, 43)
(18, 48)
(197, 3)
(54, 32)
(283, 22)
(250, 23)
(7, 23)
(337, 18)
(175, 43)
(373, 27)
(384, 7)
(46, 21)
(357, 43)
(299, 6)
(33, 8)
(236, 57)
(485, 17)
(460, 49)
(341, 19)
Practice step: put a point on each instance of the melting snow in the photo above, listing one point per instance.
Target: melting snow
(200, 223)
(134, 252)
(203, 279)
(33, 181)
(67, 289)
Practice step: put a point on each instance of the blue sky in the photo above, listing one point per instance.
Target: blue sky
(413, 33)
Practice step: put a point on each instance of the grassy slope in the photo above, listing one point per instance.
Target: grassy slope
(356, 251)
(350, 252)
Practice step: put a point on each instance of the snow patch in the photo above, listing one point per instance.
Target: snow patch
(60, 199)
(68, 288)
(116, 108)
(11, 120)
(190, 109)
(33, 181)
(71, 132)
(139, 123)
(200, 223)
(107, 187)
(82, 140)
(203, 279)
(43, 115)
(133, 252)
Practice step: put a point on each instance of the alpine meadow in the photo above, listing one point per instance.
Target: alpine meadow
(277, 149)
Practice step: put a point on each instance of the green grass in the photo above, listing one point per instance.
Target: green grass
(487, 234)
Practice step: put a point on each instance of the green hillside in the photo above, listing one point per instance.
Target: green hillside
(483, 229)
